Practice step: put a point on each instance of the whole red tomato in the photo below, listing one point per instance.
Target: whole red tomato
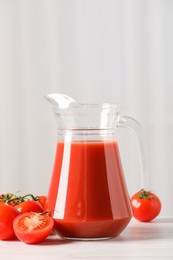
(29, 205)
(42, 199)
(145, 205)
(31, 227)
(7, 215)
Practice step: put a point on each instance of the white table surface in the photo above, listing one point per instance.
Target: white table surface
(152, 240)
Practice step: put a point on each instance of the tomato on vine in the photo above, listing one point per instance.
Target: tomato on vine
(29, 205)
(32, 226)
(145, 205)
(8, 198)
(25, 203)
(42, 199)
(7, 216)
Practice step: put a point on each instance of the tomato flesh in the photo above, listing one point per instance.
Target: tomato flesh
(32, 228)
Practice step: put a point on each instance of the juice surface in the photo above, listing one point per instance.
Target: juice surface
(87, 195)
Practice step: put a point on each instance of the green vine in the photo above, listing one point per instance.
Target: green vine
(143, 194)
(14, 199)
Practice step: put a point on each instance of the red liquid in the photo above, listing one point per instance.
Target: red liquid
(88, 196)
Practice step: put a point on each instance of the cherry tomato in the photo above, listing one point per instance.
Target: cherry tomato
(145, 205)
(7, 215)
(29, 205)
(32, 227)
(42, 199)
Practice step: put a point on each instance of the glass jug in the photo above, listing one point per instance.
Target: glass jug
(88, 197)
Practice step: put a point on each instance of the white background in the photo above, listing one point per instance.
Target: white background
(95, 51)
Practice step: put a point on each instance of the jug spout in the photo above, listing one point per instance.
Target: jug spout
(70, 114)
(60, 100)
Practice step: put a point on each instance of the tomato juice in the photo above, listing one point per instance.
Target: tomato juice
(87, 195)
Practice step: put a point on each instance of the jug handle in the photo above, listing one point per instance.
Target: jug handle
(135, 127)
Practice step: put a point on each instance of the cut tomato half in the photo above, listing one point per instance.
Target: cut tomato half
(32, 227)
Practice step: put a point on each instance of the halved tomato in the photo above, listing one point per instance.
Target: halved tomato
(32, 227)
